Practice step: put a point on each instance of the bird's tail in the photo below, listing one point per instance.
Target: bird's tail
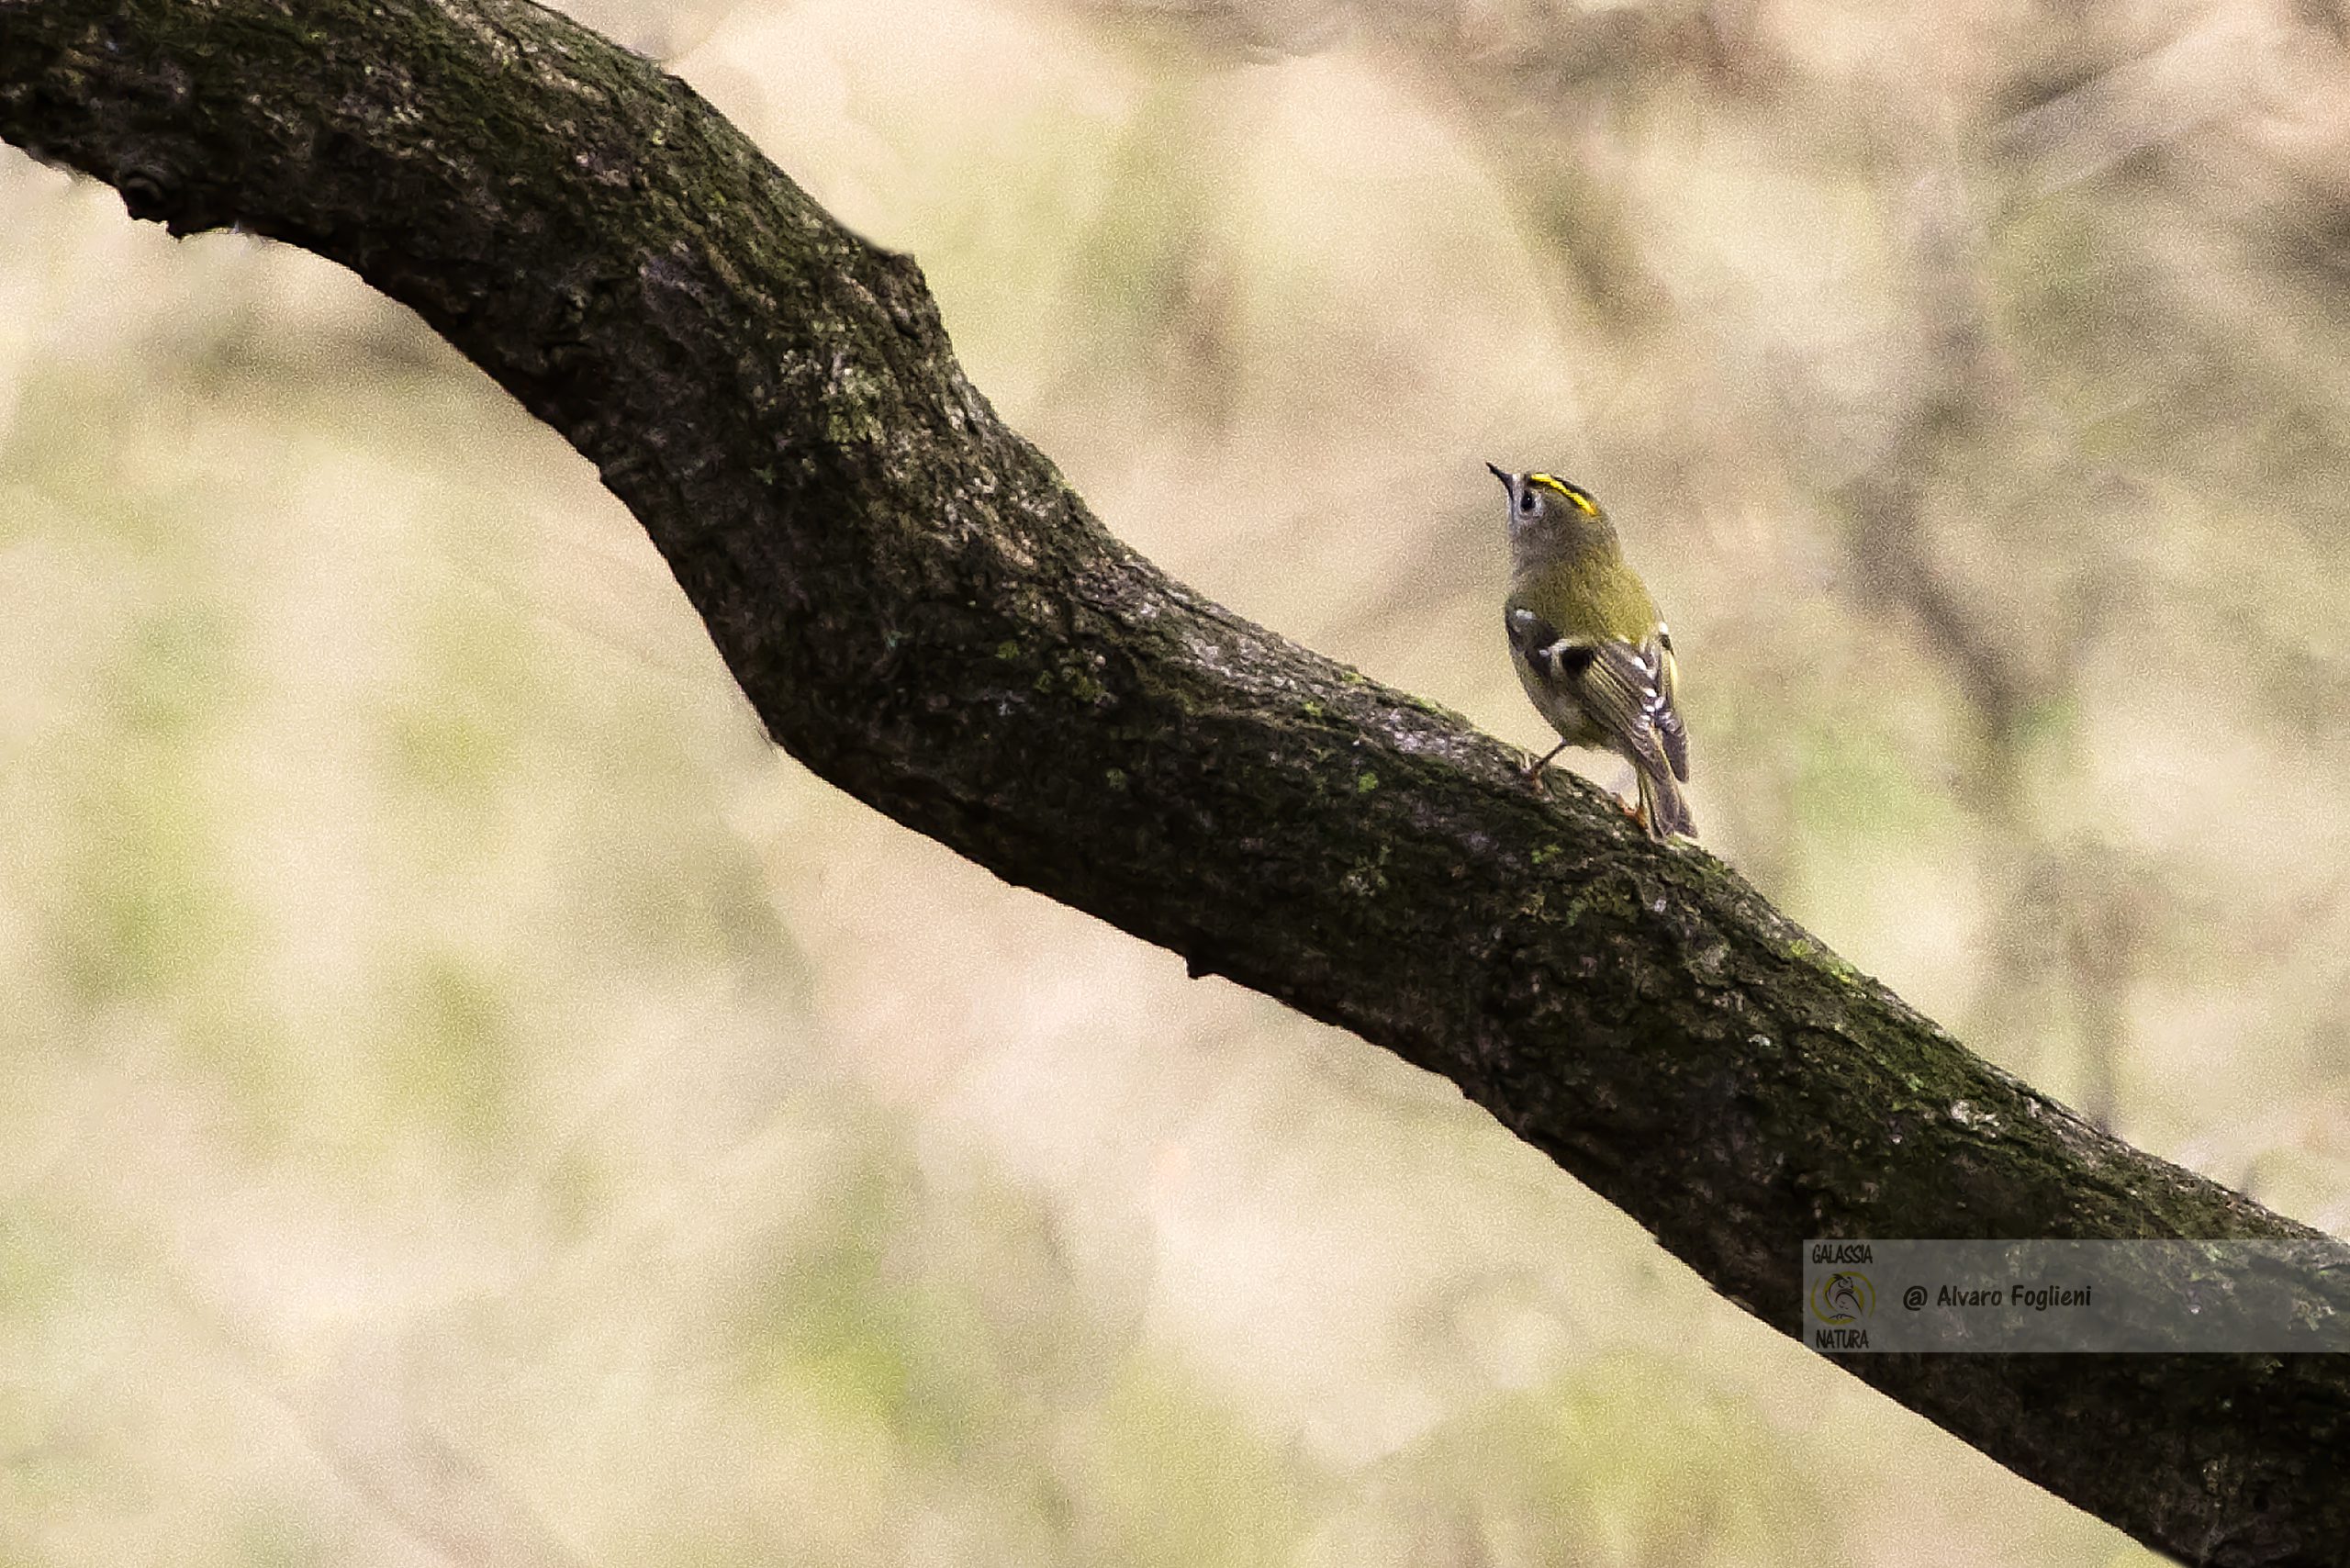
(1663, 805)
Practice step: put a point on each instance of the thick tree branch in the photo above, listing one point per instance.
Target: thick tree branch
(926, 616)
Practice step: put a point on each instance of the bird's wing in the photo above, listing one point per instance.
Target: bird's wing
(1670, 731)
(1626, 690)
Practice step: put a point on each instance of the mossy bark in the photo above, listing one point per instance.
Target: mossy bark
(925, 614)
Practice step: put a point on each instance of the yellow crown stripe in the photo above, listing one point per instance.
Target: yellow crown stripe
(1575, 495)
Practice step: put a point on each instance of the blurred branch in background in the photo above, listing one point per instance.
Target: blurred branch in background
(1542, 92)
(1957, 406)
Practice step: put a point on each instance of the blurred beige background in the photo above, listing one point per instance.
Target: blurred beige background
(469, 1101)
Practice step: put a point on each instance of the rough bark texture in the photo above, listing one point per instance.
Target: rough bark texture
(925, 615)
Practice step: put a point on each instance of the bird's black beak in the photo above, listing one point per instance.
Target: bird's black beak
(1502, 474)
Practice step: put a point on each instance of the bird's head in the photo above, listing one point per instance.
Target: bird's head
(1548, 515)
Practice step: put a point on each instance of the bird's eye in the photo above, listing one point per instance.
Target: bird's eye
(1526, 502)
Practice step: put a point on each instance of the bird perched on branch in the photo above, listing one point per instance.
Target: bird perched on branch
(1589, 647)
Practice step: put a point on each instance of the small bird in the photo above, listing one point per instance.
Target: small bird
(1588, 645)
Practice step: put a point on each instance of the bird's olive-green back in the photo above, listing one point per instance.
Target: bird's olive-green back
(1587, 593)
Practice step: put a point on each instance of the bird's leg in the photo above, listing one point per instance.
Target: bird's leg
(1533, 770)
